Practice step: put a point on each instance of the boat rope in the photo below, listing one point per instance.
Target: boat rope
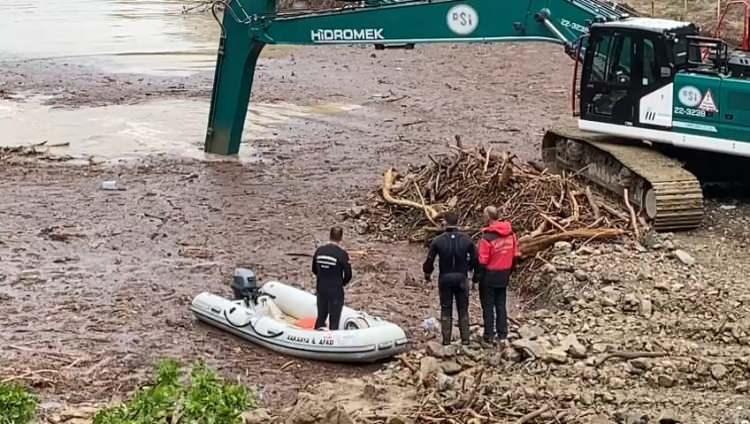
(249, 323)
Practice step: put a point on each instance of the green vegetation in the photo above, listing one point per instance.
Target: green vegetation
(17, 405)
(206, 399)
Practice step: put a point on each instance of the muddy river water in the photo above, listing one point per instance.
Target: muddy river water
(139, 36)
(135, 39)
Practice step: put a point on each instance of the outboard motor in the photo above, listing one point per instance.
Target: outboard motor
(245, 285)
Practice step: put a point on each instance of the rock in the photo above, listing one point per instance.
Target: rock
(668, 417)
(256, 416)
(580, 275)
(572, 346)
(646, 307)
(529, 347)
(356, 211)
(587, 398)
(436, 349)
(607, 301)
(641, 364)
(630, 302)
(562, 248)
(428, 367)
(718, 371)
(611, 278)
(338, 415)
(444, 382)
(549, 269)
(80, 412)
(530, 332)
(665, 381)
(684, 257)
(362, 226)
(557, 354)
(632, 418)
(451, 367)
(669, 245)
(597, 419)
(512, 355)
(662, 285)
(743, 387)
(616, 383)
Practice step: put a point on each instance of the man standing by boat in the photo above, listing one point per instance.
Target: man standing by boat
(457, 256)
(498, 253)
(331, 266)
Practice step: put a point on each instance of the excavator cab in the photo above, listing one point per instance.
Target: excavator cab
(625, 62)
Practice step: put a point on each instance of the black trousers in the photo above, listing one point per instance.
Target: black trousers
(451, 289)
(329, 306)
(494, 313)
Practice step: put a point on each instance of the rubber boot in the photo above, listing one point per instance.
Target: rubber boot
(446, 325)
(463, 326)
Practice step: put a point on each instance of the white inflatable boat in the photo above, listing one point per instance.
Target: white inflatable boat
(280, 317)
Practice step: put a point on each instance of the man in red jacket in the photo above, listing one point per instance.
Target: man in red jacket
(498, 253)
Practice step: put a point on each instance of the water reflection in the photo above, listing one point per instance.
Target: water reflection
(142, 36)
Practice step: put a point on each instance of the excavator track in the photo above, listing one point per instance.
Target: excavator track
(671, 196)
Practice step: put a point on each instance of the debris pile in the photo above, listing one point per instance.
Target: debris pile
(544, 208)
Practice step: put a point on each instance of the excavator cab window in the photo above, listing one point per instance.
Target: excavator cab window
(606, 78)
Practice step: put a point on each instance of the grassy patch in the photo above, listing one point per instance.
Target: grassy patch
(174, 398)
(17, 405)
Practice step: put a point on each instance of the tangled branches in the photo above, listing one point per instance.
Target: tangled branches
(543, 208)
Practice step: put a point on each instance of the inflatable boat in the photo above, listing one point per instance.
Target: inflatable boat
(281, 318)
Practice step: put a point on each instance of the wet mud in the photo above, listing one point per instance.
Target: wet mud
(95, 285)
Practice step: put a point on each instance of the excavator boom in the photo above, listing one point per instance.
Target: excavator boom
(248, 25)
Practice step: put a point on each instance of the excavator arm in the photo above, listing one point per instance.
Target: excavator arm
(248, 25)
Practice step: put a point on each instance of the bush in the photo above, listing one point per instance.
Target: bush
(206, 399)
(17, 405)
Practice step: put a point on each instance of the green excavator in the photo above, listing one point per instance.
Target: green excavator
(649, 94)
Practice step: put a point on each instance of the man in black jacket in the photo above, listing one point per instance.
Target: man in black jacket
(331, 266)
(457, 256)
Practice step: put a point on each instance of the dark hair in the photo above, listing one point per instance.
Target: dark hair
(337, 233)
(451, 218)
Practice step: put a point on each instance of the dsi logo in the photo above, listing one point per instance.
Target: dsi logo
(690, 96)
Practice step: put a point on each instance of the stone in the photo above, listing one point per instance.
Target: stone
(743, 387)
(572, 346)
(611, 277)
(646, 307)
(616, 382)
(451, 367)
(684, 257)
(436, 349)
(665, 381)
(256, 416)
(597, 419)
(668, 417)
(669, 245)
(338, 415)
(641, 363)
(662, 285)
(428, 367)
(557, 354)
(562, 248)
(580, 275)
(548, 269)
(530, 332)
(587, 398)
(444, 382)
(529, 347)
(718, 371)
(607, 301)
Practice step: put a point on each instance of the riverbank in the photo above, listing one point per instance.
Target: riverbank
(95, 284)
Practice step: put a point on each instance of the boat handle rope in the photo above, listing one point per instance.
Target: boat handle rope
(249, 323)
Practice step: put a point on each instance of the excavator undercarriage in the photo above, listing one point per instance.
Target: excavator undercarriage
(670, 196)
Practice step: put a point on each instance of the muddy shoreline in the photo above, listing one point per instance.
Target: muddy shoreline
(95, 285)
(115, 291)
